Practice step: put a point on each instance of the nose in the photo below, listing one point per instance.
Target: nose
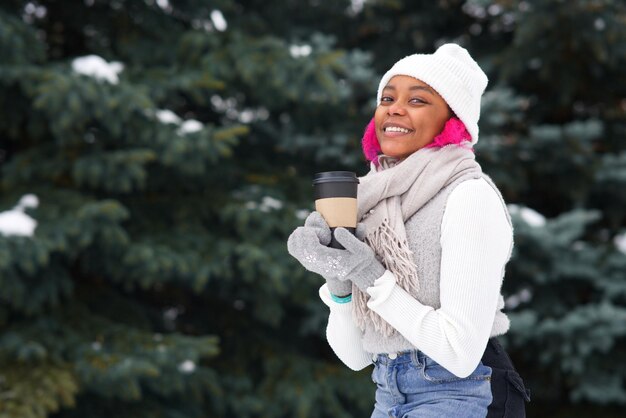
(396, 109)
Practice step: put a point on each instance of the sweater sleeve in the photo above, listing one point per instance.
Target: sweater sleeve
(343, 335)
(476, 239)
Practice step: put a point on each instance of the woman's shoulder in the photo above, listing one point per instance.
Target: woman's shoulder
(478, 195)
(476, 189)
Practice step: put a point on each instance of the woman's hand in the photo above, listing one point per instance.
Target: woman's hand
(356, 263)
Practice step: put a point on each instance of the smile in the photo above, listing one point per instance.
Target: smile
(392, 131)
(397, 129)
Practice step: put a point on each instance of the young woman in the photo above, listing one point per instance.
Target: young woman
(417, 291)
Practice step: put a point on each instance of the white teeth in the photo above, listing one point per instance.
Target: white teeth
(396, 129)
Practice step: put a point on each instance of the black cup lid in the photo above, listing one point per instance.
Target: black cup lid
(335, 176)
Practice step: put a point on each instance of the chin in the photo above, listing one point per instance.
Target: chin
(394, 148)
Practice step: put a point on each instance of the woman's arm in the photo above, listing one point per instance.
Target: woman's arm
(476, 240)
(344, 337)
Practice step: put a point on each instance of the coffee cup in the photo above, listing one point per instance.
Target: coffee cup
(335, 199)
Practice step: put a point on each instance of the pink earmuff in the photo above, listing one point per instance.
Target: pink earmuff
(369, 143)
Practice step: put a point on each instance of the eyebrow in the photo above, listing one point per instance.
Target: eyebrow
(412, 88)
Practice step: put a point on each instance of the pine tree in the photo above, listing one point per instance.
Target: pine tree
(148, 140)
(561, 156)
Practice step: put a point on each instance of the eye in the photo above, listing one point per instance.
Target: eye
(386, 99)
(417, 100)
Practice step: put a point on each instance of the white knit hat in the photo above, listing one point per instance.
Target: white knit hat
(453, 73)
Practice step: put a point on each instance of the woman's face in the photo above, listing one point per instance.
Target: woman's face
(409, 116)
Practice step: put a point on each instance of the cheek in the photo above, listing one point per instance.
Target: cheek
(436, 127)
(433, 123)
(379, 115)
(442, 122)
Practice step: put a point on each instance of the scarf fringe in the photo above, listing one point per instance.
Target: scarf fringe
(396, 256)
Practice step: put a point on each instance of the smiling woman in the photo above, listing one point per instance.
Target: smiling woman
(427, 262)
(409, 116)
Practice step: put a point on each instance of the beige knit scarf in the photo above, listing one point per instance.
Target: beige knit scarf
(388, 196)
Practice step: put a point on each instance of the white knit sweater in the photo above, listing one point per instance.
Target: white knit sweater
(475, 239)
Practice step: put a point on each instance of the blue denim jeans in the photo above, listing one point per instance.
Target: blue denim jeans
(413, 385)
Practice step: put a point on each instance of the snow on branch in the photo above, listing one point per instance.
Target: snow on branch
(96, 67)
(15, 222)
(530, 216)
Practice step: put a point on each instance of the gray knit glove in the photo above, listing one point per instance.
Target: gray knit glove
(356, 263)
(315, 234)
